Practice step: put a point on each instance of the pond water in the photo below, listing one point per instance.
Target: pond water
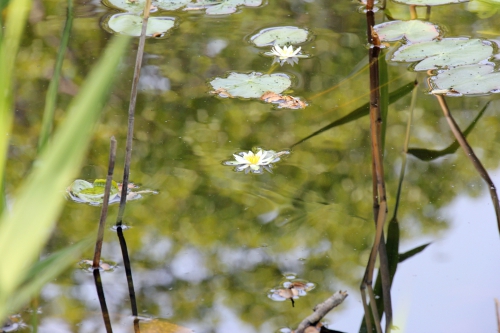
(210, 244)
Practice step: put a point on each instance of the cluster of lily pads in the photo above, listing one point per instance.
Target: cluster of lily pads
(130, 21)
(460, 66)
(268, 87)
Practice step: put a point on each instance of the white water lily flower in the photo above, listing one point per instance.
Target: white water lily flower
(255, 163)
(286, 54)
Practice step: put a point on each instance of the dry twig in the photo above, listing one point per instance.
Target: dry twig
(321, 310)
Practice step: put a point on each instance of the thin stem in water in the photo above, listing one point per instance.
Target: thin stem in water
(472, 156)
(104, 211)
(131, 113)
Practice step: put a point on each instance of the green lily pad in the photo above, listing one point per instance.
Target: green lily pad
(449, 52)
(131, 24)
(280, 36)
(429, 2)
(414, 31)
(137, 6)
(252, 85)
(467, 80)
(222, 7)
(81, 191)
(91, 193)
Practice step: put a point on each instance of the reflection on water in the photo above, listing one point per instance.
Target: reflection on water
(206, 249)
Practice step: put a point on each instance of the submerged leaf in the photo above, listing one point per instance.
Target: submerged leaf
(414, 31)
(448, 52)
(223, 6)
(252, 85)
(467, 80)
(429, 2)
(131, 25)
(137, 6)
(280, 36)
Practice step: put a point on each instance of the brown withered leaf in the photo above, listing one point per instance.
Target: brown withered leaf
(222, 92)
(283, 101)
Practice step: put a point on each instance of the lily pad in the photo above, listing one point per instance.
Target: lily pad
(92, 193)
(414, 31)
(467, 80)
(137, 6)
(82, 191)
(449, 52)
(429, 2)
(280, 36)
(252, 85)
(223, 6)
(131, 25)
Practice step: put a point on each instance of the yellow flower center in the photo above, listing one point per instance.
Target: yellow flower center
(253, 159)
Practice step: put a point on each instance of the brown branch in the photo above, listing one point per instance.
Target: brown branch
(131, 112)
(105, 202)
(472, 156)
(497, 307)
(321, 310)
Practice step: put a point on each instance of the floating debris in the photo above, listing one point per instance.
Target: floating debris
(283, 101)
(105, 266)
(291, 289)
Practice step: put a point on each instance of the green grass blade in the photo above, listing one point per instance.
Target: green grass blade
(51, 98)
(362, 111)
(25, 230)
(429, 154)
(44, 271)
(14, 26)
(412, 252)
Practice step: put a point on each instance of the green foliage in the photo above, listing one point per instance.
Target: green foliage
(25, 229)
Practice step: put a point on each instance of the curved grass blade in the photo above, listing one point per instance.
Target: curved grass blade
(39, 199)
(362, 111)
(51, 98)
(429, 154)
(44, 271)
(412, 252)
(17, 13)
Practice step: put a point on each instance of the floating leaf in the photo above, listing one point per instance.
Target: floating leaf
(280, 36)
(467, 80)
(223, 6)
(449, 52)
(81, 191)
(252, 85)
(414, 31)
(283, 101)
(131, 25)
(161, 326)
(429, 2)
(137, 6)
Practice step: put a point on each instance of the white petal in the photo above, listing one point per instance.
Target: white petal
(241, 167)
(254, 167)
(240, 159)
